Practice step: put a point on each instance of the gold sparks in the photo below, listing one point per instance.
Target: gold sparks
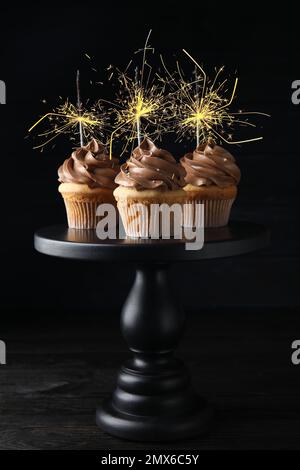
(138, 111)
(65, 119)
(149, 104)
(140, 103)
(201, 107)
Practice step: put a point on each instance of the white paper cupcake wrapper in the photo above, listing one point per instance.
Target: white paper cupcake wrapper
(214, 213)
(147, 221)
(81, 215)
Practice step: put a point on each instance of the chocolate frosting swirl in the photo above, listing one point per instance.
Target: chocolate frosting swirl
(90, 165)
(210, 164)
(151, 168)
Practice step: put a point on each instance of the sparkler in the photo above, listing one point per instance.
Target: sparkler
(198, 106)
(79, 105)
(139, 106)
(73, 120)
(201, 106)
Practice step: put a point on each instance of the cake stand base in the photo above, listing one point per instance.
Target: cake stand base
(169, 426)
(153, 399)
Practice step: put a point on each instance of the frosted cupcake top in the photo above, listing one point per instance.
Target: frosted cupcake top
(90, 165)
(210, 165)
(151, 168)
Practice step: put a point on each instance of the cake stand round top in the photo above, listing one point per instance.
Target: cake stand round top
(237, 238)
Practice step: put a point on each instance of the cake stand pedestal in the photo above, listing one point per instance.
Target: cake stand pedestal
(153, 399)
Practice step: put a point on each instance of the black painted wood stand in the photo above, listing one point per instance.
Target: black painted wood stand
(153, 399)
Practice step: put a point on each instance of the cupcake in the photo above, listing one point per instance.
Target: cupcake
(211, 178)
(87, 180)
(150, 177)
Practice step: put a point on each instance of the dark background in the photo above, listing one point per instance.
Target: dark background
(41, 48)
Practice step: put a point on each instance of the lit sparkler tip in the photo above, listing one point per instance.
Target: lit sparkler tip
(65, 120)
(140, 104)
(203, 106)
(73, 120)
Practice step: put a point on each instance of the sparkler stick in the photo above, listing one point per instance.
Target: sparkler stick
(138, 128)
(197, 100)
(79, 107)
(138, 119)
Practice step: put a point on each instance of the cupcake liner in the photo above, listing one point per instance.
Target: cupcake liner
(81, 215)
(213, 212)
(81, 203)
(142, 220)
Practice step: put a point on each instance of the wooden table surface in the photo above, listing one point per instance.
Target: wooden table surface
(57, 373)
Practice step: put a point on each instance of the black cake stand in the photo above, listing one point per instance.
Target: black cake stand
(153, 399)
